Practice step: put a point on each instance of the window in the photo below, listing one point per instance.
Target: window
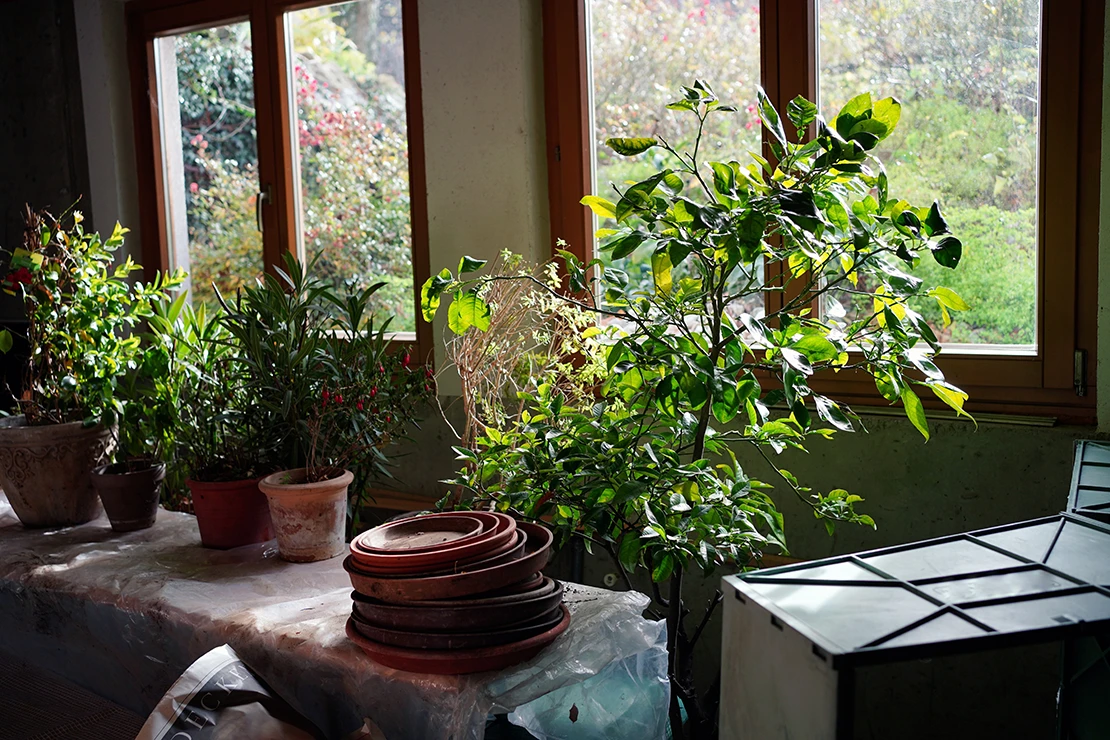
(1001, 119)
(278, 126)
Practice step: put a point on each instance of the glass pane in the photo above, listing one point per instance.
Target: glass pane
(641, 53)
(967, 74)
(348, 78)
(944, 628)
(210, 157)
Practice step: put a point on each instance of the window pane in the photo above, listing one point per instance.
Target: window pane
(210, 157)
(348, 78)
(967, 74)
(641, 53)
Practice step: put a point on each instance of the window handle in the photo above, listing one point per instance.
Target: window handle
(263, 197)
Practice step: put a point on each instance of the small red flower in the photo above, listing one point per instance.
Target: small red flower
(388, 418)
(338, 399)
(427, 372)
(406, 359)
(373, 391)
(358, 405)
(325, 395)
(193, 187)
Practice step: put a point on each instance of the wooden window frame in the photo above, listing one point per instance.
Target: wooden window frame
(148, 20)
(1043, 384)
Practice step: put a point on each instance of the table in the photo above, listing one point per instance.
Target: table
(124, 614)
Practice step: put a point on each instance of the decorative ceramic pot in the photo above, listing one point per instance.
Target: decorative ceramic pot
(310, 518)
(230, 513)
(130, 497)
(45, 470)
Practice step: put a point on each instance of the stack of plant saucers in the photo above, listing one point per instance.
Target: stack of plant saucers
(451, 593)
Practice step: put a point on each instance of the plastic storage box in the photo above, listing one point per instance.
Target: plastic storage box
(798, 639)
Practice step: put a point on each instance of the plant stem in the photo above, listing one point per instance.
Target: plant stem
(674, 618)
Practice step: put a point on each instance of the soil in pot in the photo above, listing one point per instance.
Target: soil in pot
(44, 470)
(310, 518)
(230, 513)
(130, 496)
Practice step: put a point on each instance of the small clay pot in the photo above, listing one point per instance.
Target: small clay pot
(310, 518)
(130, 498)
(230, 513)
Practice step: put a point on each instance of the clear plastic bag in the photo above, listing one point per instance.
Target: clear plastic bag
(627, 698)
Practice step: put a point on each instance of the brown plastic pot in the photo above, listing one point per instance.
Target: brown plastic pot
(130, 498)
(454, 662)
(231, 513)
(45, 470)
(310, 518)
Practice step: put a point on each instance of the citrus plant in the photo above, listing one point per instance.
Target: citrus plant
(698, 394)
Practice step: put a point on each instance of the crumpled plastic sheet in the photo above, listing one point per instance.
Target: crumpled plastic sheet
(125, 614)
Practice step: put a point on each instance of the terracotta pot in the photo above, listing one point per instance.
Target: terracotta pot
(130, 498)
(45, 470)
(310, 518)
(230, 513)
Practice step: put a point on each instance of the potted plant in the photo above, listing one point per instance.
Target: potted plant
(661, 466)
(81, 313)
(223, 442)
(320, 368)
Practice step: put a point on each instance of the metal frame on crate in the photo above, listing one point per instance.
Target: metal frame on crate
(875, 653)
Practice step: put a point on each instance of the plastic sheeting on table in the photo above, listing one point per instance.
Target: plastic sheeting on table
(125, 614)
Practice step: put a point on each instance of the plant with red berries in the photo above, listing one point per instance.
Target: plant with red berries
(321, 365)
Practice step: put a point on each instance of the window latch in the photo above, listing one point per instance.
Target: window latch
(1080, 370)
(263, 197)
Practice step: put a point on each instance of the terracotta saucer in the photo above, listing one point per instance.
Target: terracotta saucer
(508, 552)
(454, 662)
(384, 539)
(440, 558)
(464, 616)
(459, 640)
(537, 551)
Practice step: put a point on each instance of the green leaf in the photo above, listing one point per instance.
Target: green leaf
(816, 347)
(770, 116)
(888, 111)
(951, 395)
(631, 147)
(638, 195)
(915, 412)
(629, 552)
(470, 264)
(949, 299)
(948, 251)
(5, 341)
(801, 112)
(431, 291)
(624, 246)
(831, 412)
(602, 207)
(935, 222)
(724, 178)
(853, 111)
(663, 568)
(468, 310)
(661, 270)
(678, 503)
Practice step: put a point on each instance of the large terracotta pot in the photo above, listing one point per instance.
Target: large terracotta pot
(45, 470)
(310, 518)
(130, 497)
(230, 513)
